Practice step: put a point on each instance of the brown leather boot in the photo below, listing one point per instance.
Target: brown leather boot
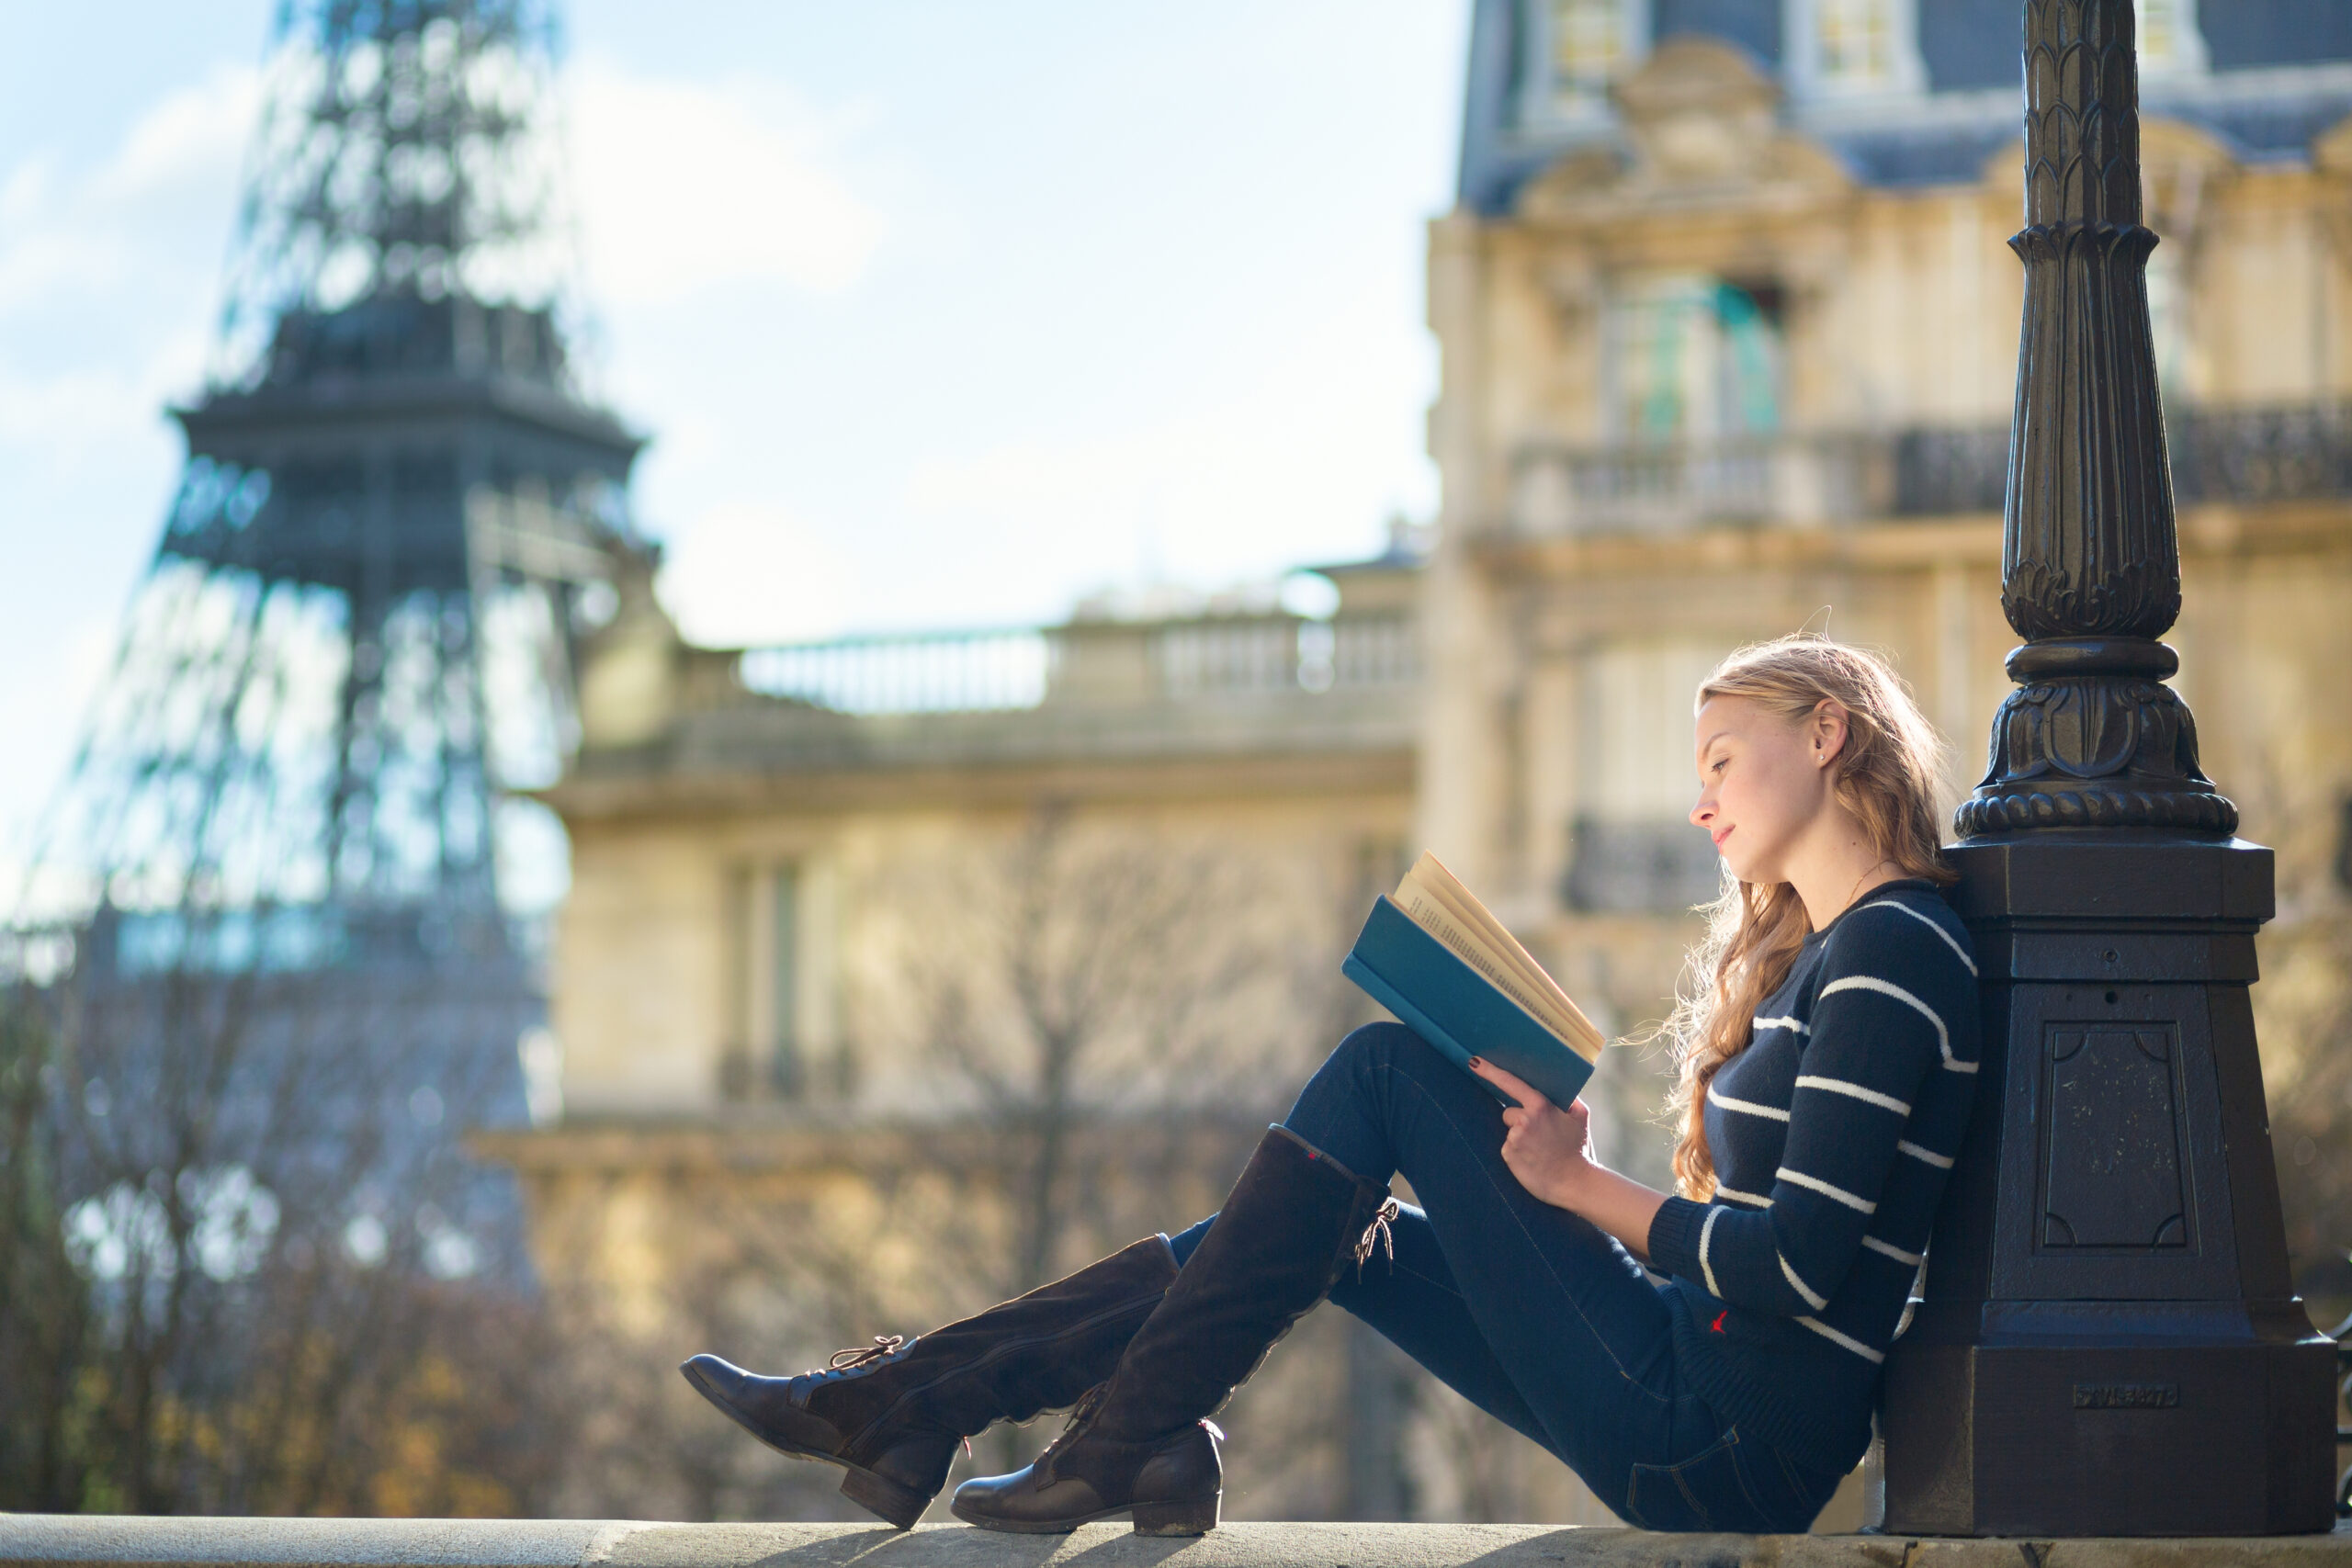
(1143, 1446)
(893, 1412)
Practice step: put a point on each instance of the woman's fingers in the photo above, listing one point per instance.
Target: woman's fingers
(1509, 1082)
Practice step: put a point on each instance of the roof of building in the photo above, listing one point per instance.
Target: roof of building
(2274, 74)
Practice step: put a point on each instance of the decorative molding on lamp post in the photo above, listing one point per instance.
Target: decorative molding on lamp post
(2110, 1344)
(2090, 557)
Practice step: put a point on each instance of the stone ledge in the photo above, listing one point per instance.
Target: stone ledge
(141, 1542)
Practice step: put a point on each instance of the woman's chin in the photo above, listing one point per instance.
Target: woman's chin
(1744, 868)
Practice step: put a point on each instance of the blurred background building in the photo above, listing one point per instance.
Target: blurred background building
(1728, 335)
(900, 973)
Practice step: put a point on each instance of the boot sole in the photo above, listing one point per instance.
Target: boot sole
(896, 1505)
(1150, 1518)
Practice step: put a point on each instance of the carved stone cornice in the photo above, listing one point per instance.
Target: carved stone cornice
(2090, 568)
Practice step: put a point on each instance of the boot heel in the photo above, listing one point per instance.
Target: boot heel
(903, 1506)
(1177, 1518)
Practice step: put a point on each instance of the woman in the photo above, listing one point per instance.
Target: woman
(1828, 1056)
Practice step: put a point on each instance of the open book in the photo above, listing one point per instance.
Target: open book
(1433, 956)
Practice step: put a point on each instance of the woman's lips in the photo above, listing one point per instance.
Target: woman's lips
(1719, 838)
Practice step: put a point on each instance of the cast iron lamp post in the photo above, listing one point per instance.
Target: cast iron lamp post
(2109, 1345)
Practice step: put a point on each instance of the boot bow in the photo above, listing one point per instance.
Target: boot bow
(858, 1355)
(1377, 1234)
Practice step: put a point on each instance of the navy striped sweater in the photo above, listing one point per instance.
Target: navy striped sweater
(1832, 1134)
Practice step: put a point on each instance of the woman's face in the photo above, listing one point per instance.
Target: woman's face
(1762, 782)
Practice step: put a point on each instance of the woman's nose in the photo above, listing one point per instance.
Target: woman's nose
(1701, 812)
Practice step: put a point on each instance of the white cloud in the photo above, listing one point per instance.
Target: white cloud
(685, 184)
(745, 573)
(122, 226)
(196, 134)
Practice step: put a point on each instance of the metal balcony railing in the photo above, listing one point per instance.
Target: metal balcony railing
(1639, 489)
(1638, 867)
(2254, 454)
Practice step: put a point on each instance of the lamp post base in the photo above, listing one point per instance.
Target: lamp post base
(2109, 1345)
(2083, 1438)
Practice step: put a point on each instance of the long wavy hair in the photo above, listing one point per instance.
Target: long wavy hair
(1886, 776)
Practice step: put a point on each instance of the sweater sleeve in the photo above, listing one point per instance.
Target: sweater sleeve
(1890, 981)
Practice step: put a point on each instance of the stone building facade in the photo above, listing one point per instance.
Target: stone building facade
(1728, 330)
(1729, 334)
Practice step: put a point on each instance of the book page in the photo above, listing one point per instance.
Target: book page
(1440, 904)
(1430, 875)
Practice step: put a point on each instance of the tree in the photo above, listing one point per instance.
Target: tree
(248, 1266)
(1085, 974)
(43, 1312)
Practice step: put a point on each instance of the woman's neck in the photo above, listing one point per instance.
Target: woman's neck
(1829, 876)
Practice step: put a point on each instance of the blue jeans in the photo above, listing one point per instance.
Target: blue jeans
(1529, 1312)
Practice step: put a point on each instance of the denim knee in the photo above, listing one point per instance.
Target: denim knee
(1349, 1097)
(1381, 1044)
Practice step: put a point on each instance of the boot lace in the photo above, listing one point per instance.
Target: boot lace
(1080, 1414)
(1377, 1234)
(858, 1355)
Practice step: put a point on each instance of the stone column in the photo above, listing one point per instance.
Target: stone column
(2110, 1344)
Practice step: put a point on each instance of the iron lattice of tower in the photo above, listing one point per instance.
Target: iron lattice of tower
(287, 849)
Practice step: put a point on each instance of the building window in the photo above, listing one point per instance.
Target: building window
(1857, 41)
(1588, 44)
(779, 1013)
(1577, 48)
(1854, 48)
(2171, 43)
(1693, 357)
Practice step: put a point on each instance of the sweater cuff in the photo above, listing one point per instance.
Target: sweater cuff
(1674, 1237)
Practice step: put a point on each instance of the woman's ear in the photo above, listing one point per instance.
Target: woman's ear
(1827, 730)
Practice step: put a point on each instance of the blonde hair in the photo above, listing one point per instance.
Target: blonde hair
(1886, 776)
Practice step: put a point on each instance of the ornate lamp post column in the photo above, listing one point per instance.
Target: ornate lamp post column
(2110, 1344)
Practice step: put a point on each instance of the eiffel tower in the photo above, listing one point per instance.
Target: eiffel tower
(290, 835)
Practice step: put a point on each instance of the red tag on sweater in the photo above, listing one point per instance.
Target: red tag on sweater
(1718, 1326)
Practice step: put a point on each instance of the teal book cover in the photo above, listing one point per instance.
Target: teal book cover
(1455, 1009)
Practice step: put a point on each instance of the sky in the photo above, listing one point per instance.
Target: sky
(940, 314)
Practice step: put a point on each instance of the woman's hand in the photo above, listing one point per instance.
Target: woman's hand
(1548, 1148)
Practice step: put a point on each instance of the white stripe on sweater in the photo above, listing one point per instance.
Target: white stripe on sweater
(1813, 1298)
(1706, 1232)
(1890, 1250)
(1856, 1346)
(1957, 952)
(1827, 1190)
(1941, 1162)
(1737, 1196)
(1718, 1097)
(1886, 988)
(1795, 1026)
(1855, 1092)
